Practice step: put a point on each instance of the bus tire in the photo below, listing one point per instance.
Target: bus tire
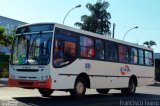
(131, 88)
(103, 91)
(79, 88)
(45, 92)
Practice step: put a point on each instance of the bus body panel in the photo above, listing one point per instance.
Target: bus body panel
(101, 73)
(22, 76)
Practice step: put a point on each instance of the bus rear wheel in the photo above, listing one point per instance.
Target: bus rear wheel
(45, 92)
(131, 88)
(79, 88)
(103, 91)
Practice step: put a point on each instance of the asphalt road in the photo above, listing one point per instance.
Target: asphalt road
(147, 95)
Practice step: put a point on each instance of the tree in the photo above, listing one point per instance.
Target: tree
(2, 42)
(98, 20)
(150, 43)
(5, 40)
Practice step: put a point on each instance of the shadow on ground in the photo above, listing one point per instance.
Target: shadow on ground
(88, 100)
(155, 85)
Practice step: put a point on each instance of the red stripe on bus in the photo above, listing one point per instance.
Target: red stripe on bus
(30, 83)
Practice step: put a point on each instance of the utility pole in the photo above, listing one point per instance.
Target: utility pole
(114, 25)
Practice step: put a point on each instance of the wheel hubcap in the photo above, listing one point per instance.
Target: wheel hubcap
(132, 87)
(80, 88)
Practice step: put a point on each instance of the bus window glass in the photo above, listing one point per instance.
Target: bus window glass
(151, 61)
(123, 53)
(99, 49)
(69, 50)
(64, 50)
(32, 49)
(111, 51)
(87, 47)
(148, 58)
(58, 51)
(20, 50)
(40, 48)
(141, 57)
(134, 58)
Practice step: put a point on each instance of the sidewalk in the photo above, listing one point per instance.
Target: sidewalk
(3, 82)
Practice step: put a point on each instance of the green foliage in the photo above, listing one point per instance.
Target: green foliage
(4, 69)
(157, 74)
(4, 57)
(2, 30)
(97, 21)
(150, 43)
(5, 40)
(4, 65)
(9, 40)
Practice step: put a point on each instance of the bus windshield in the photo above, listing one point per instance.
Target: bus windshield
(33, 49)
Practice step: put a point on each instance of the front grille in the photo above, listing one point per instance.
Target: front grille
(32, 77)
(22, 77)
(28, 70)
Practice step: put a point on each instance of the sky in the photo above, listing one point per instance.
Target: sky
(126, 14)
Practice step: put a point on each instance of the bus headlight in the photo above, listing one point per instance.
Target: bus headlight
(44, 78)
(11, 76)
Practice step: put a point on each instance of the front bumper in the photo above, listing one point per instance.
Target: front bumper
(30, 83)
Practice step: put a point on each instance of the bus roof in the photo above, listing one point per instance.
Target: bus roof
(91, 34)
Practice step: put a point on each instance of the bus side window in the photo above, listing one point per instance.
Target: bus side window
(69, 50)
(99, 49)
(123, 54)
(86, 47)
(65, 48)
(64, 52)
(58, 52)
(148, 58)
(134, 57)
(141, 56)
(111, 51)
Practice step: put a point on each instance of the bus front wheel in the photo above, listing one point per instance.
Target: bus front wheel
(131, 88)
(45, 92)
(79, 88)
(103, 91)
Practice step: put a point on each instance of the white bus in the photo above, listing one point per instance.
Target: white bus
(50, 56)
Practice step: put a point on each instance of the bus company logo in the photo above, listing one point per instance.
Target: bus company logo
(124, 70)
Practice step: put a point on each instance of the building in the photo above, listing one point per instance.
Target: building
(10, 24)
(157, 60)
(156, 55)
